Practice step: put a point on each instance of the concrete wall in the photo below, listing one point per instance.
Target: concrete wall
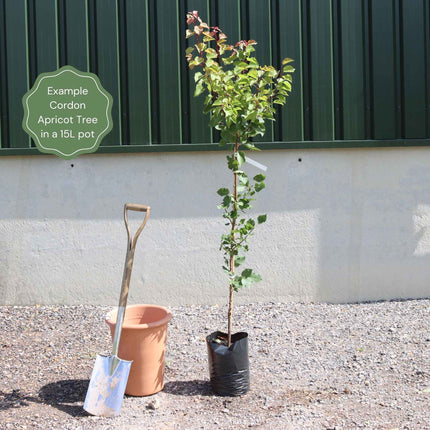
(343, 225)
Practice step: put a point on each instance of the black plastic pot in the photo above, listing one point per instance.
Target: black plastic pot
(229, 367)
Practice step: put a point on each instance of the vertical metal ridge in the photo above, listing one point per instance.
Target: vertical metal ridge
(4, 114)
(87, 36)
(306, 75)
(244, 20)
(273, 53)
(239, 20)
(244, 24)
(275, 59)
(332, 70)
(368, 72)
(31, 57)
(277, 109)
(427, 62)
(180, 43)
(148, 72)
(153, 71)
(92, 37)
(212, 12)
(302, 121)
(57, 41)
(184, 77)
(61, 34)
(337, 71)
(398, 72)
(31, 42)
(122, 59)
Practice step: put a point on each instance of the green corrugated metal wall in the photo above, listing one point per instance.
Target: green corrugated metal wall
(362, 74)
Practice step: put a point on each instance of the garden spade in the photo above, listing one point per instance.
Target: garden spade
(110, 373)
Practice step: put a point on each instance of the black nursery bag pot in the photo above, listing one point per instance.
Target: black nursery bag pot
(228, 367)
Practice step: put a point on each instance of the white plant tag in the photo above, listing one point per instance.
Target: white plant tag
(256, 164)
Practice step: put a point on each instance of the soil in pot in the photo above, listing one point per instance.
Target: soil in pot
(228, 367)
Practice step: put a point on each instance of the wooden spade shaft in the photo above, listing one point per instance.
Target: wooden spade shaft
(131, 246)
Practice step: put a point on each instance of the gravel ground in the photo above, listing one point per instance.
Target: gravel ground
(313, 366)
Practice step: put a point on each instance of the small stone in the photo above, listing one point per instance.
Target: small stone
(155, 404)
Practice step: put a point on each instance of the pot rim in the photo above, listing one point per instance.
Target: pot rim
(163, 321)
(239, 334)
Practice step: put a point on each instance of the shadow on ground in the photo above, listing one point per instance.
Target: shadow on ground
(15, 399)
(188, 388)
(66, 395)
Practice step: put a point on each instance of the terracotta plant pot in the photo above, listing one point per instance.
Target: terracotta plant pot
(143, 341)
(228, 367)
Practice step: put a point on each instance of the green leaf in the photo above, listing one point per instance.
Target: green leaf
(246, 273)
(255, 277)
(240, 158)
(243, 179)
(250, 224)
(201, 46)
(236, 285)
(226, 270)
(252, 116)
(259, 186)
(259, 178)
(286, 61)
(289, 69)
(280, 100)
(211, 53)
(261, 219)
(239, 260)
(232, 163)
(223, 192)
(199, 89)
(250, 146)
(226, 201)
(249, 277)
(243, 203)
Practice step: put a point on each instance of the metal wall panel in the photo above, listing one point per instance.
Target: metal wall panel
(362, 67)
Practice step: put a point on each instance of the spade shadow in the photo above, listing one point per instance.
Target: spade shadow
(66, 395)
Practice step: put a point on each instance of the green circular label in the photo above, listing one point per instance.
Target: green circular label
(67, 112)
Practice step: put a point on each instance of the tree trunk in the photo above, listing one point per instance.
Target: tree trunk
(233, 226)
(230, 313)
